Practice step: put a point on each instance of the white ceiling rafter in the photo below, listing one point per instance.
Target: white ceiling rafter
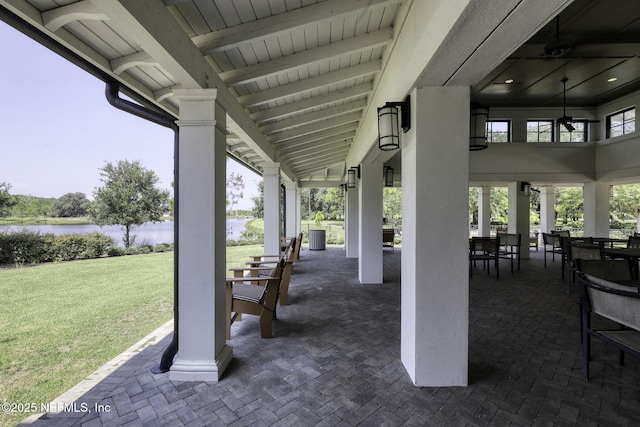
(55, 19)
(305, 85)
(283, 23)
(351, 118)
(315, 116)
(261, 70)
(313, 102)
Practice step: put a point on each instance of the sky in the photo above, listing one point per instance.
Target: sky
(58, 129)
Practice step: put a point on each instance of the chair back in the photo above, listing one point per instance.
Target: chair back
(633, 242)
(608, 269)
(614, 301)
(551, 239)
(590, 251)
(485, 244)
(562, 233)
(510, 239)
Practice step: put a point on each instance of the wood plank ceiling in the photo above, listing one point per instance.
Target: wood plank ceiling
(302, 70)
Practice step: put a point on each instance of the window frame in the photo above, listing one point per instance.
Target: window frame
(562, 130)
(490, 133)
(552, 131)
(624, 122)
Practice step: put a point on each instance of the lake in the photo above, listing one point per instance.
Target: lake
(153, 233)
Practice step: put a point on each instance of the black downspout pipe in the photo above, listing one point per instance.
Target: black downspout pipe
(112, 93)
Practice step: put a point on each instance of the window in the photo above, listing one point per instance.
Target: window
(621, 123)
(579, 134)
(498, 130)
(539, 130)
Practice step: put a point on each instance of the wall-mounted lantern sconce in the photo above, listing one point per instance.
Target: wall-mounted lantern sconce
(343, 189)
(525, 187)
(389, 124)
(352, 173)
(388, 176)
(478, 127)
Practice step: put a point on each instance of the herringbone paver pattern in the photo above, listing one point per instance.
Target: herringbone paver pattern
(334, 361)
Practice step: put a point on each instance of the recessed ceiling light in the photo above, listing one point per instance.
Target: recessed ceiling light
(508, 81)
(612, 79)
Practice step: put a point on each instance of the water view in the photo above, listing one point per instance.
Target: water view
(152, 233)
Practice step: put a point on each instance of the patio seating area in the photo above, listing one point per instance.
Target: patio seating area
(335, 360)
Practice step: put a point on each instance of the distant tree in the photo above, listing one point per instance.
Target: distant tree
(569, 203)
(128, 198)
(258, 202)
(625, 203)
(392, 206)
(70, 205)
(6, 199)
(235, 185)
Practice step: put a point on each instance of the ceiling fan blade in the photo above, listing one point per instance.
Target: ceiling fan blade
(569, 126)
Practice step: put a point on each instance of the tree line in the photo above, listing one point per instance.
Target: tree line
(624, 206)
(129, 197)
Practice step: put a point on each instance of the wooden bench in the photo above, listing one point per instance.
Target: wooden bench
(619, 304)
(388, 237)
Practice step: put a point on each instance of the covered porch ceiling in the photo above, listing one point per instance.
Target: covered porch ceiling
(301, 79)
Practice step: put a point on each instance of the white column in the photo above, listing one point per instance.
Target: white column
(271, 178)
(484, 211)
(596, 209)
(351, 227)
(547, 209)
(435, 215)
(518, 217)
(202, 353)
(293, 209)
(370, 222)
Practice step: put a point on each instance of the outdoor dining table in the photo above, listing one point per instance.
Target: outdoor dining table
(632, 254)
(608, 241)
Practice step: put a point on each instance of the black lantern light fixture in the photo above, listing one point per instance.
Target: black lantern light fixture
(352, 173)
(390, 121)
(388, 176)
(478, 127)
(525, 187)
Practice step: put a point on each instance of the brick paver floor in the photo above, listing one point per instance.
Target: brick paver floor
(335, 361)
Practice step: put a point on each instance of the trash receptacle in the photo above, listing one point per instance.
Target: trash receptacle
(317, 240)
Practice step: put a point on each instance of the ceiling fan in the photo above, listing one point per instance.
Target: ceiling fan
(565, 120)
(559, 46)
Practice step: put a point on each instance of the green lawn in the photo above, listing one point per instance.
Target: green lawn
(61, 321)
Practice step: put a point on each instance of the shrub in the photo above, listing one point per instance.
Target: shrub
(115, 251)
(26, 246)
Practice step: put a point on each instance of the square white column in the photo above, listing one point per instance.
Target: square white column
(293, 209)
(547, 209)
(518, 218)
(351, 223)
(370, 224)
(202, 351)
(272, 218)
(596, 208)
(435, 244)
(484, 211)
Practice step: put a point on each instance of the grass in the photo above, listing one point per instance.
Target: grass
(59, 322)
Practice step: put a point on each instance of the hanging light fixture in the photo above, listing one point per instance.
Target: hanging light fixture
(525, 187)
(390, 121)
(352, 173)
(388, 176)
(478, 127)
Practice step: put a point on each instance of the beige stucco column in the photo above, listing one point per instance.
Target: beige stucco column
(435, 218)
(202, 351)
